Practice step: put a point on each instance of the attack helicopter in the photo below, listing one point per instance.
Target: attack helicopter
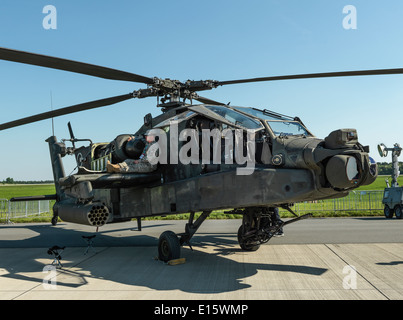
(280, 162)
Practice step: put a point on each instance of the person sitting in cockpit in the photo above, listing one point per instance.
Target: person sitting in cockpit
(142, 165)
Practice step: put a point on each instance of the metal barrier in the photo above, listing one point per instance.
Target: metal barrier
(355, 201)
(23, 209)
(27, 208)
(3, 209)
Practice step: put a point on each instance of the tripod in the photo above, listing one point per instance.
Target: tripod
(56, 251)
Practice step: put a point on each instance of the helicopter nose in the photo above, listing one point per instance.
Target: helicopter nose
(340, 160)
(345, 171)
(342, 171)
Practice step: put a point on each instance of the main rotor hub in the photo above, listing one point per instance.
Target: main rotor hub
(173, 90)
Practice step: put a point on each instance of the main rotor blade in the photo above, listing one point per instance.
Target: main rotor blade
(317, 75)
(71, 66)
(66, 110)
(209, 101)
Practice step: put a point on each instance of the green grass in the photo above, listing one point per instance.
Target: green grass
(380, 183)
(10, 191)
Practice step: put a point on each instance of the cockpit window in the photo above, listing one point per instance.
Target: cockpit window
(280, 124)
(235, 117)
(178, 118)
(287, 128)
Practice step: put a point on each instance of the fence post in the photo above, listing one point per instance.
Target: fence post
(7, 209)
(8, 212)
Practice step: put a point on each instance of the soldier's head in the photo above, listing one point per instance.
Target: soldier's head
(149, 136)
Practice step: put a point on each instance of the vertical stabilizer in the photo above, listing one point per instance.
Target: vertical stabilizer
(57, 151)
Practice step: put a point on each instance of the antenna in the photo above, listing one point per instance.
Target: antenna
(72, 137)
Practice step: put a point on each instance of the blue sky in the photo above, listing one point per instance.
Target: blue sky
(221, 40)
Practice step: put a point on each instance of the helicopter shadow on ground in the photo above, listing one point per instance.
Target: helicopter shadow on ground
(45, 236)
(204, 273)
(209, 268)
(31, 242)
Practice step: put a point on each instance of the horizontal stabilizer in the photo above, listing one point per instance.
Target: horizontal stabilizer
(34, 198)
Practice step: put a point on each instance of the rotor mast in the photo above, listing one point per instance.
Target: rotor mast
(172, 91)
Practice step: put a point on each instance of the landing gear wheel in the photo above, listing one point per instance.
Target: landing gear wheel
(168, 246)
(398, 211)
(243, 244)
(54, 220)
(388, 212)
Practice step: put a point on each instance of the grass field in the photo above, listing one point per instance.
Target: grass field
(380, 183)
(10, 191)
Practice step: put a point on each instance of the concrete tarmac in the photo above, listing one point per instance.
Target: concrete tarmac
(332, 258)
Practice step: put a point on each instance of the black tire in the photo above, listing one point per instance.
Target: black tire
(398, 211)
(388, 212)
(54, 220)
(246, 246)
(168, 246)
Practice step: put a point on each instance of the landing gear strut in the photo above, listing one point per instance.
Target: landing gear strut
(169, 243)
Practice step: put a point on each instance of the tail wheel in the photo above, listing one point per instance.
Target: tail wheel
(168, 246)
(54, 220)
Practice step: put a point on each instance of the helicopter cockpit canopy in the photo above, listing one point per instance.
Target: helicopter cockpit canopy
(177, 118)
(280, 125)
(244, 118)
(236, 118)
(221, 114)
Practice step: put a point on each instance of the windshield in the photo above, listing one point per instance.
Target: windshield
(235, 117)
(287, 128)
